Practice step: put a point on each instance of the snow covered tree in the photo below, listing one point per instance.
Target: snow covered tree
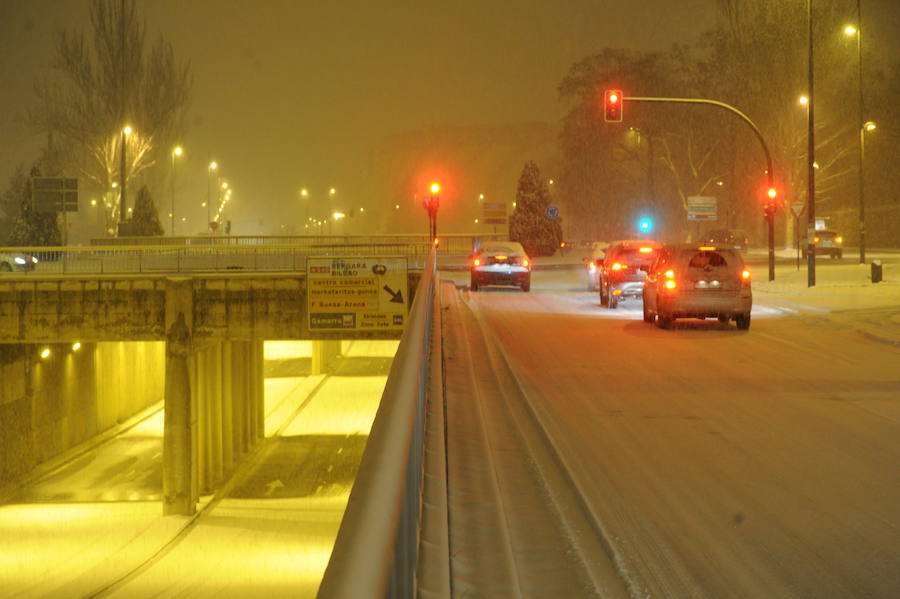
(145, 218)
(30, 228)
(529, 224)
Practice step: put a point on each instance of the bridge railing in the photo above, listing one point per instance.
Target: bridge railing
(183, 259)
(376, 550)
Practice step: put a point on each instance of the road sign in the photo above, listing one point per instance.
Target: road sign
(552, 212)
(493, 213)
(702, 208)
(797, 209)
(54, 194)
(356, 293)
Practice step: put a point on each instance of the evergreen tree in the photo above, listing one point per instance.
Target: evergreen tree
(145, 219)
(529, 224)
(30, 228)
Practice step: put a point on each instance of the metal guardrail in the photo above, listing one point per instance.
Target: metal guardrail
(184, 259)
(376, 550)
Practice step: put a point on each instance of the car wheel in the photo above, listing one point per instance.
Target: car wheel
(742, 321)
(473, 286)
(604, 300)
(526, 286)
(5, 267)
(724, 318)
(649, 317)
(664, 321)
(613, 301)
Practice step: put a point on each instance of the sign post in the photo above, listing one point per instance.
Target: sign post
(356, 294)
(493, 213)
(55, 194)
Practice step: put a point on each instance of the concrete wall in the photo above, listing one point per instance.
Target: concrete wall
(49, 405)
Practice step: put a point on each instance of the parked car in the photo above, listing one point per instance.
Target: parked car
(623, 270)
(827, 242)
(500, 263)
(690, 281)
(16, 261)
(733, 237)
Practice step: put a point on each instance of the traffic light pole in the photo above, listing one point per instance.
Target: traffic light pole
(770, 214)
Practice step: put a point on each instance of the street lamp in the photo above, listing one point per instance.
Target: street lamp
(855, 30)
(212, 166)
(431, 204)
(177, 151)
(126, 131)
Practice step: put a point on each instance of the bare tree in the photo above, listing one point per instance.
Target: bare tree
(96, 87)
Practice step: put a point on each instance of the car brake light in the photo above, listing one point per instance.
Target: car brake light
(501, 257)
(745, 275)
(815, 240)
(525, 263)
(670, 284)
(592, 266)
(645, 250)
(476, 262)
(617, 292)
(839, 239)
(617, 266)
(670, 274)
(707, 248)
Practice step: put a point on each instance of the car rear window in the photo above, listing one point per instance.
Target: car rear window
(500, 249)
(635, 258)
(707, 260)
(826, 234)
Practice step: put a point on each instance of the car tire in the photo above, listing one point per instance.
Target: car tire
(5, 267)
(473, 286)
(649, 317)
(664, 321)
(613, 301)
(604, 300)
(742, 321)
(724, 318)
(526, 286)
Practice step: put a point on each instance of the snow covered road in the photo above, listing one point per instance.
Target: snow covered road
(716, 463)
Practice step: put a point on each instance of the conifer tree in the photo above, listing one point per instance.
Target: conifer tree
(145, 218)
(529, 224)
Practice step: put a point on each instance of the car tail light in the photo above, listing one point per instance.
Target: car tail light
(476, 262)
(670, 274)
(501, 257)
(839, 239)
(617, 292)
(645, 250)
(670, 284)
(525, 262)
(707, 248)
(591, 266)
(745, 278)
(816, 239)
(617, 266)
(670, 279)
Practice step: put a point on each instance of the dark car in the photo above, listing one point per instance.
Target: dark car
(500, 263)
(16, 261)
(827, 242)
(733, 237)
(690, 281)
(623, 270)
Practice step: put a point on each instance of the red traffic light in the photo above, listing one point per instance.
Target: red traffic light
(772, 193)
(612, 105)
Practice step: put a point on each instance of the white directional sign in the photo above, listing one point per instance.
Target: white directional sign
(356, 293)
(702, 208)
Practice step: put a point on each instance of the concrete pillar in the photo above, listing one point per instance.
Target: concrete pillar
(201, 372)
(179, 461)
(324, 355)
(217, 470)
(259, 354)
(228, 458)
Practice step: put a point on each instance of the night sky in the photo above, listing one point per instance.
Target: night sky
(290, 94)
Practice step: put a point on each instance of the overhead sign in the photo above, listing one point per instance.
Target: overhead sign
(54, 194)
(493, 213)
(356, 293)
(702, 208)
(552, 212)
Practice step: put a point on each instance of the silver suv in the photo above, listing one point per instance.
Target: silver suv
(690, 281)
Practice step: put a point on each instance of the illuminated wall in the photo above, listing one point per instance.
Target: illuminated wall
(54, 397)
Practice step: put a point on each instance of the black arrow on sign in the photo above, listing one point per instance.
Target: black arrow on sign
(396, 297)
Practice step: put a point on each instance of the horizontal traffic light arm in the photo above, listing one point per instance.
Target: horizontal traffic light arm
(770, 172)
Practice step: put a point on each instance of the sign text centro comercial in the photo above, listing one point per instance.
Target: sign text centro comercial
(356, 293)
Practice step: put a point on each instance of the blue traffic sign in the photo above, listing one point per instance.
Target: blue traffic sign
(552, 211)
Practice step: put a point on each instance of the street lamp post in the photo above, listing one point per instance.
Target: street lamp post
(177, 151)
(810, 158)
(126, 131)
(212, 166)
(857, 30)
(432, 202)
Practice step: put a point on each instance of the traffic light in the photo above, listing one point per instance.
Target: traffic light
(612, 105)
(645, 225)
(771, 200)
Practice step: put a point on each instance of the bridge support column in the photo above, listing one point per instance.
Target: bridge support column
(180, 489)
(324, 355)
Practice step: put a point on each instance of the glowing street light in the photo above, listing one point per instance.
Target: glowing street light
(804, 100)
